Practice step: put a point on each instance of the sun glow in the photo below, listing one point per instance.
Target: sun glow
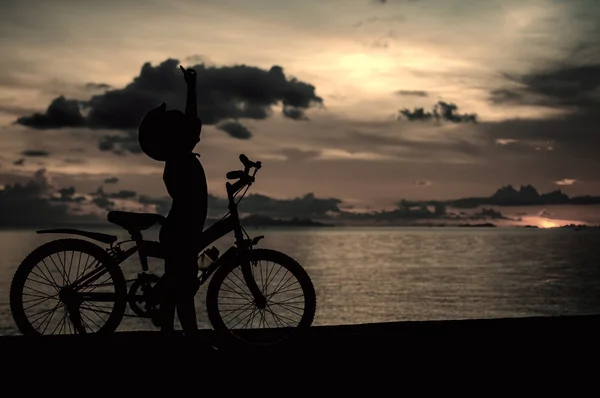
(548, 224)
(542, 222)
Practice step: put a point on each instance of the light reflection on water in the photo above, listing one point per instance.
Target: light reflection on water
(390, 274)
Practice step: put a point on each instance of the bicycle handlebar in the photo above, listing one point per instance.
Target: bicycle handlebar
(243, 176)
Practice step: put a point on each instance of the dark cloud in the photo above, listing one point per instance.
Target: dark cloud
(229, 92)
(295, 154)
(561, 86)
(307, 206)
(419, 147)
(60, 113)
(441, 111)
(571, 86)
(413, 93)
(33, 204)
(294, 113)
(122, 194)
(104, 200)
(121, 143)
(68, 195)
(98, 86)
(111, 180)
(235, 129)
(35, 153)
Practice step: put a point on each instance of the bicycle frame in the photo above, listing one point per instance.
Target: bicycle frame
(146, 248)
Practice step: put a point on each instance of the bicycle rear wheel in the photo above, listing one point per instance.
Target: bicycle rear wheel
(35, 295)
(290, 309)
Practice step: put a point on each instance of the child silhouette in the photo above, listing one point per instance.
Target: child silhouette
(171, 136)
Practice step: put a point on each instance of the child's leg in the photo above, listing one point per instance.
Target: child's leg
(186, 291)
(168, 300)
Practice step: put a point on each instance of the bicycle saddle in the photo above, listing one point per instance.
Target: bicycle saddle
(134, 221)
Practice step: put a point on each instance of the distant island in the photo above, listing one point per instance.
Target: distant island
(483, 225)
(507, 195)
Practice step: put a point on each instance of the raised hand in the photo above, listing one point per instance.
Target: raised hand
(189, 75)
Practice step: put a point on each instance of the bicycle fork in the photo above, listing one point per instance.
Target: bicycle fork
(236, 254)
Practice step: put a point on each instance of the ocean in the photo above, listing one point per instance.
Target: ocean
(385, 274)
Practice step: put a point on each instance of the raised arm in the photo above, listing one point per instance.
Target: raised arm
(191, 104)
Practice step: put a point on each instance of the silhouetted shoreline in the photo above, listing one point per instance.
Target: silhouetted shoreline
(305, 223)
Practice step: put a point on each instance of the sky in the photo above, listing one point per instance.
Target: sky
(326, 93)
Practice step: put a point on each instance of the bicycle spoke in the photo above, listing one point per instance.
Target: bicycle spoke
(246, 307)
(240, 279)
(238, 293)
(49, 273)
(71, 263)
(42, 301)
(285, 306)
(56, 266)
(45, 312)
(284, 283)
(50, 319)
(275, 275)
(279, 317)
(242, 320)
(91, 320)
(59, 323)
(50, 283)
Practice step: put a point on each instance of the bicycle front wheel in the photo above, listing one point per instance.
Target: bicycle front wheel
(291, 300)
(36, 299)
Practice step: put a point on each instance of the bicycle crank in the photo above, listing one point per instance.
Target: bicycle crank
(139, 294)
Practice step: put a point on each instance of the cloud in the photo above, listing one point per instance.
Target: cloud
(74, 161)
(506, 141)
(556, 86)
(121, 143)
(412, 93)
(60, 113)
(35, 153)
(34, 204)
(297, 154)
(120, 200)
(422, 183)
(307, 206)
(570, 87)
(111, 180)
(420, 148)
(441, 111)
(228, 92)
(98, 86)
(235, 130)
(566, 181)
(19, 162)
(544, 213)
(294, 113)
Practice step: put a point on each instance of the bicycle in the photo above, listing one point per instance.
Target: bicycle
(141, 296)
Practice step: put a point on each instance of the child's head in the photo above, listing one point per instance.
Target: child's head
(163, 134)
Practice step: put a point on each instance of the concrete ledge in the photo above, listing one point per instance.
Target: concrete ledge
(506, 336)
(432, 354)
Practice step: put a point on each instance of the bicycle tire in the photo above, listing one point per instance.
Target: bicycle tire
(223, 332)
(70, 245)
